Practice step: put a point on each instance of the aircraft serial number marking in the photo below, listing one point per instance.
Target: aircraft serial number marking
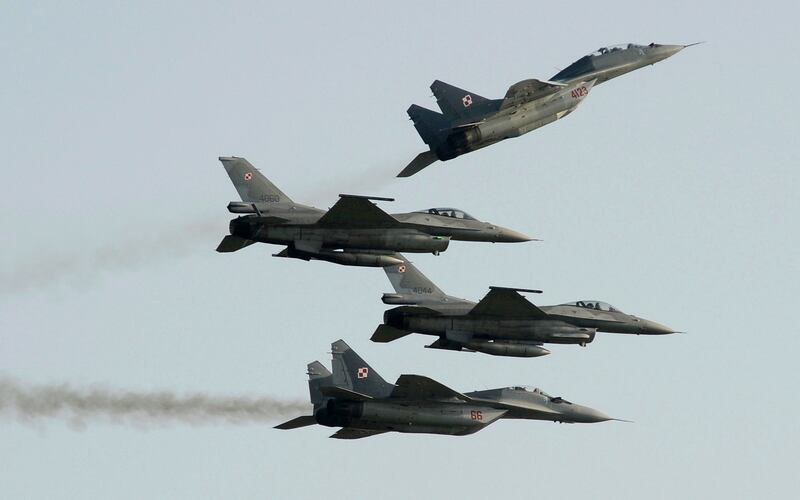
(422, 290)
(476, 415)
(270, 198)
(581, 92)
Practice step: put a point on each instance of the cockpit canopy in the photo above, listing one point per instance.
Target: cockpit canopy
(448, 212)
(593, 304)
(534, 390)
(615, 48)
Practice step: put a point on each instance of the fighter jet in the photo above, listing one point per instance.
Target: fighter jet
(354, 232)
(357, 399)
(469, 122)
(503, 323)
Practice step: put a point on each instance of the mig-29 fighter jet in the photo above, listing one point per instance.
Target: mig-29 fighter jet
(354, 232)
(469, 122)
(357, 399)
(503, 323)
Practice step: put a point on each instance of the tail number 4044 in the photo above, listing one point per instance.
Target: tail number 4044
(476, 415)
(580, 92)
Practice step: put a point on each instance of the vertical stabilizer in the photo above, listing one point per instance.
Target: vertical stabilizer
(250, 183)
(408, 280)
(318, 376)
(433, 127)
(351, 372)
(462, 105)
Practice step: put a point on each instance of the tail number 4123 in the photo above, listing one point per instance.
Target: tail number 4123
(579, 92)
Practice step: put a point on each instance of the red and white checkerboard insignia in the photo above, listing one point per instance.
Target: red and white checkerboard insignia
(248, 176)
(467, 100)
(401, 269)
(363, 372)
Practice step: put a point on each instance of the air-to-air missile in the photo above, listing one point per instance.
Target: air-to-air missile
(354, 232)
(503, 323)
(469, 122)
(357, 399)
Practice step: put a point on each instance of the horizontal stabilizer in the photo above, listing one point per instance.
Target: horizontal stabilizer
(232, 243)
(506, 302)
(356, 212)
(386, 333)
(419, 388)
(342, 393)
(298, 422)
(350, 433)
(421, 161)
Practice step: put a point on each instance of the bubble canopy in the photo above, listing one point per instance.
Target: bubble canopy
(616, 48)
(448, 212)
(539, 392)
(593, 304)
(528, 388)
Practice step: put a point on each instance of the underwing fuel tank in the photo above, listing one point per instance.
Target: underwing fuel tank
(345, 258)
(513, 349)
(359, 259)
(414, 241)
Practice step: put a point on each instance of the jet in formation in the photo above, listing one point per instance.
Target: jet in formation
(503, 323)
(469, 122)
(354, 232)
(357, 399)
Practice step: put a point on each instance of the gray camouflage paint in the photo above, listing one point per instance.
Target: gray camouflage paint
(503, 323)
(354, 232)
(357, 399)
(469, 122)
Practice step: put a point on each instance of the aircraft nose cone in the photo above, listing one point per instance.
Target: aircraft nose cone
(665, 51)
(586, 415)
(505, 235)
(653, 328)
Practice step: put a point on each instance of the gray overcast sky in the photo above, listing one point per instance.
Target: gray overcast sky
(670, 193)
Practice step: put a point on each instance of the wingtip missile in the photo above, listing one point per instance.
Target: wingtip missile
(365, 197)
(526, 290)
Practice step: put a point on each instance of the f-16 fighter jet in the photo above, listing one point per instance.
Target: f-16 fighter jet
(354, 232)
(503, 323)
(469, 122)
(355, 398)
